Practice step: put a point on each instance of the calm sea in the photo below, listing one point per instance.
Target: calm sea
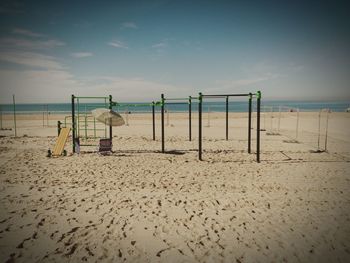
(237, 106)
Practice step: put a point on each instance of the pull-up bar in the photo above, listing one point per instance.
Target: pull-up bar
(250, 95)
(176, 101)
(225, 95)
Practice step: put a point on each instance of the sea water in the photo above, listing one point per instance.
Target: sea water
(213, 106)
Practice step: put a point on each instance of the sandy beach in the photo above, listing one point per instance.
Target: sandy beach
(139, 205)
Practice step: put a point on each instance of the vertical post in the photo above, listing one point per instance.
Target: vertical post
(279, 118)
(226, 118)
(94, 128)
(0, 117)
(297, 128)
(86, 123)
(47, 115)
(14, 114)
(319, 130)
(73, 123)
(190, 118)
(110, 126)
(43, 115)
(326, 139)
(271, 118)
(258, 103)
(200, 98)
(162, 120)
(153, 121)
(78, 117)
(58, 128)
(249, 122)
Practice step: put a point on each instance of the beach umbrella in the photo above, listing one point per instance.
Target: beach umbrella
(108, 117)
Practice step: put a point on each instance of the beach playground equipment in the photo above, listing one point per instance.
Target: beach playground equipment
(200, 99)
(107, 119)
(82, 122)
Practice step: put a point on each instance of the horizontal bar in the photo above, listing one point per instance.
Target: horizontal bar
(132, 105)
(227, 95)
(77, 97)
(175, 103)
(175, 98)
(91, 129)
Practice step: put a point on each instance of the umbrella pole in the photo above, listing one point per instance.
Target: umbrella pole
(110, 126)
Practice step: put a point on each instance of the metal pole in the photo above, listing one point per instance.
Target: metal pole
(110, 126)
(279, 119)
(162, 120)
(271, 118)
(319, 130)
(258, 103)
(58, 128)
(200, 127)
(85, 126)
(47, 115)
(0, 117)
(326, 139)
(43, 115)
(94, 128)
(153, 121)
(73, 123)
(226, 118)
(297, 128)
(249, 122)
(78, 118)
(190, 118)
(14, 114)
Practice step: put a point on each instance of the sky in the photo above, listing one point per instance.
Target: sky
(136, 50)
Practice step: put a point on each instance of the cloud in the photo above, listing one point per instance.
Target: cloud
(117, 44)
(159, 45)
(57, 86)
(12, 42)
(129, 25)
(25, 32)
(82, 54)
(31, 59)
(38, 85)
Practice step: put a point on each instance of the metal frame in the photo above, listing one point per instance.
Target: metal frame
(257, 95)
(75, 121)
(163, 102)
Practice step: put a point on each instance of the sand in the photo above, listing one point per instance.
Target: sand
(139, 205)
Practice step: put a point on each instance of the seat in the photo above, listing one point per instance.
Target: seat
(105, 146)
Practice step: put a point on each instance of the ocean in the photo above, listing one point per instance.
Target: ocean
(217, 106)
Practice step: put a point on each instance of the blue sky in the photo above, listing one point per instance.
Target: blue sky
(136, 50)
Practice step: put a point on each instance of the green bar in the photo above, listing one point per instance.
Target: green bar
(131, 105)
